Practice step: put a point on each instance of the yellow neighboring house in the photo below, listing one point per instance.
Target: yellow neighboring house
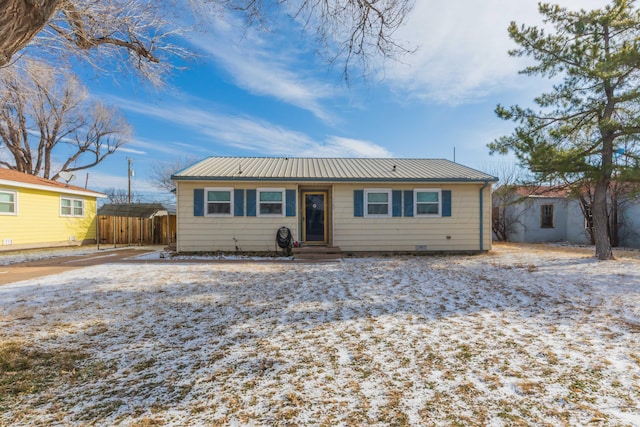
(37, 212)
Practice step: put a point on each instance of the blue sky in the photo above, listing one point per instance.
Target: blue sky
(256, 93)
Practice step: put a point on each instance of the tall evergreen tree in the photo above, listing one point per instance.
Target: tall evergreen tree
(592, 113)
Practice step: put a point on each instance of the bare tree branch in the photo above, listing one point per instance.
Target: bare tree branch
(20, 21)
(48, 125)
(137, 34)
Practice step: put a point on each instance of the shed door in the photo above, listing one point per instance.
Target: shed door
(314, 220)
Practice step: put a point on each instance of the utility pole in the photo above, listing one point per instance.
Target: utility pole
(129, 174)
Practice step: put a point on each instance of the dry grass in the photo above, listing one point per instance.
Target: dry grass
(26, 370)
(513, 338)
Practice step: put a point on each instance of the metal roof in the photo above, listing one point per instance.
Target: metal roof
(133, 210)
(328, 169)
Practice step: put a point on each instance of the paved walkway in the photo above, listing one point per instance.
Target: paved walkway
(44, 267)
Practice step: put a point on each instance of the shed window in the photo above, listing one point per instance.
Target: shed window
(546, 216)
(8, 202)
(271, 201)
(427, 202)
(71, 207)
(378, 202)
(219, 201)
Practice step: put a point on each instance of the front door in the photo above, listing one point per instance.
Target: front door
(315, 219)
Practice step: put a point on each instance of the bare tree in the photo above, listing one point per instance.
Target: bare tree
(20, 21)
(160, 173)
(48, 125)
(121, 196)
(140, 32)
(504, 197)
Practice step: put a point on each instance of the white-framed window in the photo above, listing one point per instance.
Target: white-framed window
(271, 201)
(70, 206)
(8, 202)
(427, 202)
(377, 202)
(218, 201)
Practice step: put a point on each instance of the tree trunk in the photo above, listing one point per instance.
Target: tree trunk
(601, 221)
(20, 21)
(613, 221)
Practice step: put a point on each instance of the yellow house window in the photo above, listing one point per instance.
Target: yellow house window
(8, 202)
(71, 207)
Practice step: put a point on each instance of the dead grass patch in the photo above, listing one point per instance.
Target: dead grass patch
(26, 370)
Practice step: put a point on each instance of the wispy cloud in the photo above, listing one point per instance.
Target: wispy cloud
(337, 146)
(131, 150)
(265, 67)
(463, 47)
(253, 134)
(173, 148)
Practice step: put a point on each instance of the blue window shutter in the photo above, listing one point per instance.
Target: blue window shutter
(238, 202)
(291, 202)
(198, 202)
(251, 202)
(358, 202)
(396, 200)
(408, 203)
(446, 202)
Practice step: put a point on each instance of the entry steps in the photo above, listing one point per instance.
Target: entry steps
(316, 253)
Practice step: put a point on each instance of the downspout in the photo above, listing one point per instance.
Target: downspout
(97, 228)
(486, 184)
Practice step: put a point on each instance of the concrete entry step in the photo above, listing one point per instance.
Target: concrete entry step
(317, 253)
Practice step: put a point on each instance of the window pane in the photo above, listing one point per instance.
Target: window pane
(78, 207)
(219, 208)
(427, 209)
(271, 196)
(377, 197)
(270, 208)
(378, 209)
(427, 197)
(66, 210)
(6, 197)
(65, 202)
(6, 208)
(546, 216)
(219, 196)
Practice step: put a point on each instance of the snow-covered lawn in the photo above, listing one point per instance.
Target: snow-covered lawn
(516, 337)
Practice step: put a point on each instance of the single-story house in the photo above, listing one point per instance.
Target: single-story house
(358, 205)
(552, 214)
(37, 212)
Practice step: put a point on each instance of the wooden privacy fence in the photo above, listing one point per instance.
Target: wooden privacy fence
(136, 224)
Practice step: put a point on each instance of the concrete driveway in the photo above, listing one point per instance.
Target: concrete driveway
(44, 267)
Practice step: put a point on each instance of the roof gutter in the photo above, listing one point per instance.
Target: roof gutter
(486, 184)
(326, 179)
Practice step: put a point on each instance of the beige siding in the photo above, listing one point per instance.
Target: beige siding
(460, 232)
(204, 233)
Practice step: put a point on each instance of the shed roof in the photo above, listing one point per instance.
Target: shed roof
(131, 210)
(25, 180)
(329, 169)
(542, 191)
